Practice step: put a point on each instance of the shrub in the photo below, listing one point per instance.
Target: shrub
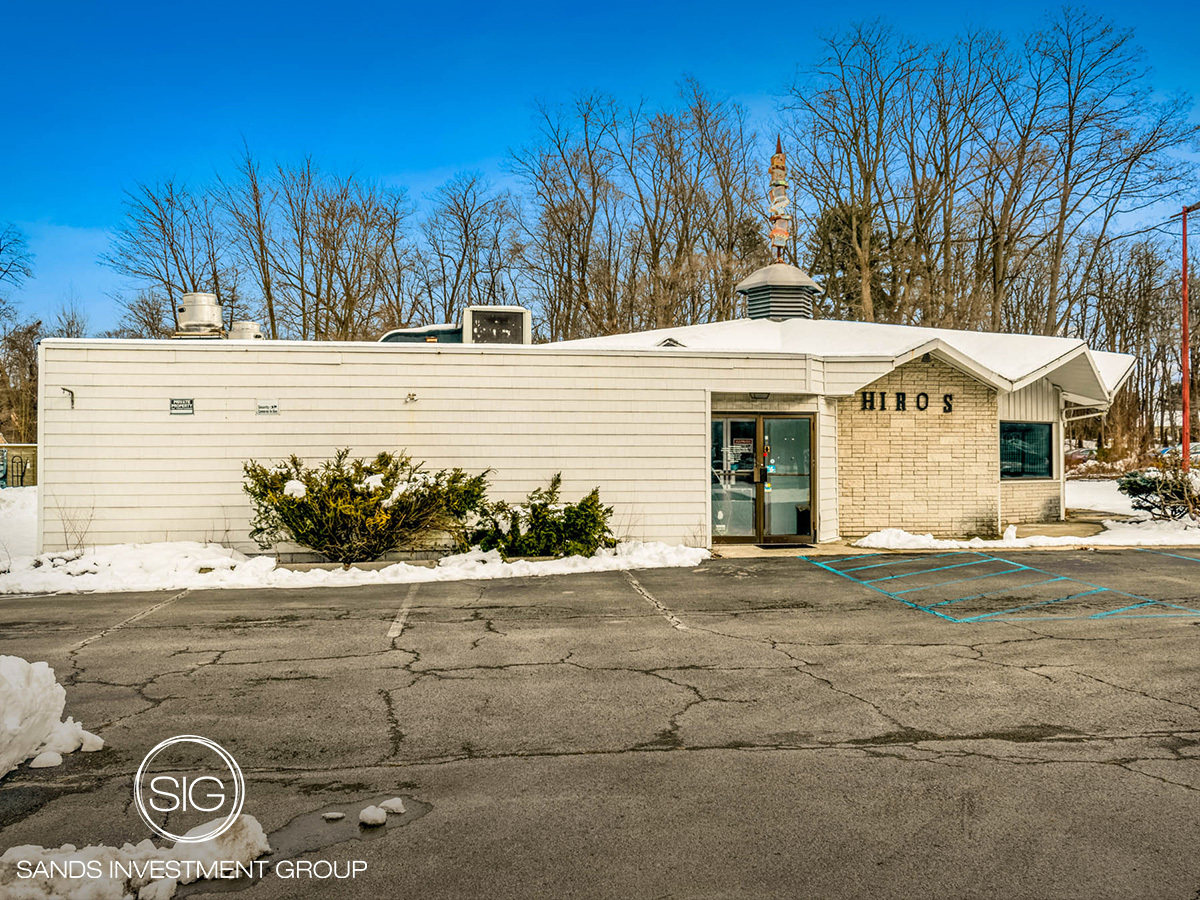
(1165, 491)
(542, 526)
(356, 511)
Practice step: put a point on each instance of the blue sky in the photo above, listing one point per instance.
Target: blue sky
(102, 96)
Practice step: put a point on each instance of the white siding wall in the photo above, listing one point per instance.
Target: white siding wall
(1039, 402)
(1026, 501)
(635, 425)
(827, 521)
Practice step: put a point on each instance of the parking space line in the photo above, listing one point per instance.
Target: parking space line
(1033, 606)
(1113, 612)
(1081, 581)
(930, 587)
(401, 617)
(897, 562)
(1165, 553)
(976, 562)
(1007, 614)
(1177, 606)
(996, 591)
(655, 602)
(908, 603)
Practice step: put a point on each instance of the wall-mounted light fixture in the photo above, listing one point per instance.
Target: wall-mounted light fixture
(759, 395)
(411, 398)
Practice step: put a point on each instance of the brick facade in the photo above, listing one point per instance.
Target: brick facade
(920, 470)
(1029, 501)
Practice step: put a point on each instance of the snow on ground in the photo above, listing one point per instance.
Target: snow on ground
(1101, 496)
(31, 705)
(30, 872)
(18, 522)
(187, 564)
(176, 566)
(1115, 534)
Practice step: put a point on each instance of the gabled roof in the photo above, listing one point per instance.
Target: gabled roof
(1008, 362)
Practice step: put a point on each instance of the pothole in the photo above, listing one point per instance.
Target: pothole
(309, 832)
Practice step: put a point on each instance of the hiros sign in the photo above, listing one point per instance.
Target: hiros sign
(878, 400)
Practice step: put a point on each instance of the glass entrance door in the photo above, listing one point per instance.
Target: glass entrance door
(734, 478)
(762, 478)
(787, 485)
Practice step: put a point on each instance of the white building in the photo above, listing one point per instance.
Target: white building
(767, 429)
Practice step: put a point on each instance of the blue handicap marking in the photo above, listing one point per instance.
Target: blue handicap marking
(1068, 597)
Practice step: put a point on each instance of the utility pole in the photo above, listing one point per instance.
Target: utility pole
(1186, 380)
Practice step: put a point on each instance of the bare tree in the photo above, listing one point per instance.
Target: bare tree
(171, 242)
(846, 116)
(70, 318)
(468, 249)
(1113, 144)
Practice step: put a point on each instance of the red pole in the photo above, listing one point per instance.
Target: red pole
(1186, 382)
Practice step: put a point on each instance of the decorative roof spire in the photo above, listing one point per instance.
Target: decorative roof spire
(777, 194)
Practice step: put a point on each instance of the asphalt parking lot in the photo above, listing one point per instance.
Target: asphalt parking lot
(1023, 725)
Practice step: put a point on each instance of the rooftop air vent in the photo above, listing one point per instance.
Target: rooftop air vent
(199, 316)
(779, 291)
(496, 325)
(245, 330)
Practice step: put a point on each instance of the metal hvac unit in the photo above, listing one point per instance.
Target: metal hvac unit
(199, 316)
(496, 325)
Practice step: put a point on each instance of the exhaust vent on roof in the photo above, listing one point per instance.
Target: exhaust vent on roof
(779, 291)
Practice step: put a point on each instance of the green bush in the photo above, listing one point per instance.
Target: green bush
(1165, 491)
(542, 526)
(356, 511)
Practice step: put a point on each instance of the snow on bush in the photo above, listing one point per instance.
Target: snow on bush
(295, 489)
(31, 706)
(543, 526)
(355, 510)
(1165, 491)
(30, 872)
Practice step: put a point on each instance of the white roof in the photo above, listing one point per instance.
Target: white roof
(1007, 361)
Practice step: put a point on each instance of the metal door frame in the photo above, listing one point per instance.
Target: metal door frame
(760, 506)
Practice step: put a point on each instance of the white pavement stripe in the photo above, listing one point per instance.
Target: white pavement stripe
(130, 620)
(666, 613)
(402, 616)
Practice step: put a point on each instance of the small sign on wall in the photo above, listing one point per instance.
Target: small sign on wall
(183, 407)
(268, 408)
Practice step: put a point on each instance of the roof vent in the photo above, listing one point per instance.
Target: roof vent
(245, 330)
(199, 316)
(670, 342)
(779, 291)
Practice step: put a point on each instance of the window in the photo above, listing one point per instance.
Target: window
(1025, 450)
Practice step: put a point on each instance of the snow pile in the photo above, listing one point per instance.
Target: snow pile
(1115, 534)
(1100, 496)
(18, 523)
(372, 815)
(176, 566)
(30, 872)
(31, 705)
